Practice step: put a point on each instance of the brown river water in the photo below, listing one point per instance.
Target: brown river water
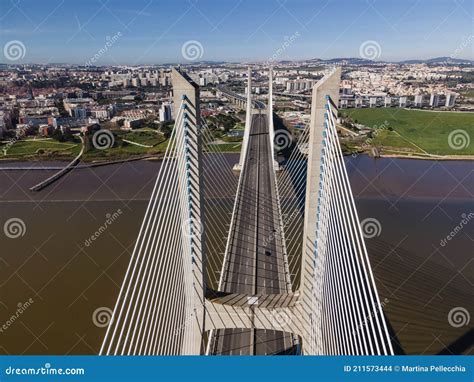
(54, 277)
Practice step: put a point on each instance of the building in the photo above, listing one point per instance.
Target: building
(450, 99)
(418, 102)
(78, 113)
(166, 113)
(434, 100)
(402, 102)
(133, 123)
(44, 130)
(100, 113)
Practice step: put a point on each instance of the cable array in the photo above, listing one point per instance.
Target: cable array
(154, 312)
(352, 318)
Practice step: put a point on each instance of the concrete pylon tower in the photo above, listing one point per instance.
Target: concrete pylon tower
(186, 96)
(311, 263)
(248, 121)
(270, 112)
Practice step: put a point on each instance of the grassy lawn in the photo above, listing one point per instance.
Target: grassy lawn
(124, 150)
(46, 147)
(144, 137)
(417, 130)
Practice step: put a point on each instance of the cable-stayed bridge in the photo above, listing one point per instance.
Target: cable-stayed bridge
(257, 258)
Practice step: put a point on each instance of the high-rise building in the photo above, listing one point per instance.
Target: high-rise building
(450, 99)
(165, 112)
(418, 102)
(402, 102)
(434, 100)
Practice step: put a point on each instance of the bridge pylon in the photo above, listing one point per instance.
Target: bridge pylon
(164, 305)
(248, 121)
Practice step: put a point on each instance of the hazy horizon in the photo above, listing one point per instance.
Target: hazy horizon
(148, 32)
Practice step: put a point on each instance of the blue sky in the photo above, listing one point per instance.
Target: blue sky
(154, 31)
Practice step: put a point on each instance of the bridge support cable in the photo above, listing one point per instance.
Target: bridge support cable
(160, 305)
(248, 119)
(131, 293)
(291, 184)
(375, 319)
(192, 231)
(348, 317)
(220, 188)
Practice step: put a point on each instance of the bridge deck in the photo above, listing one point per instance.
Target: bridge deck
(255, 262)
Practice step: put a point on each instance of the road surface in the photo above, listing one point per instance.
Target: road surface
(255, 257)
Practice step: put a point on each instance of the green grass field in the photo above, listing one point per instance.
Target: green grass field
(124, 150)
(40, 148)
(145, 137)
(419, 131)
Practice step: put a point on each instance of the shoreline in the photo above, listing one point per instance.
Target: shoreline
(90, 164)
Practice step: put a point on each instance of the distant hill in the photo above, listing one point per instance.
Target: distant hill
(362, 61)
(438, 60)
(346, 60)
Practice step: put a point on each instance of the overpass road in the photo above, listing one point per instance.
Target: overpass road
(255, 260)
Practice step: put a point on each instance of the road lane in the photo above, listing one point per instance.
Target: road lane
(255, 262)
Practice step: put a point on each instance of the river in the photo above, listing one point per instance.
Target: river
(60, 278)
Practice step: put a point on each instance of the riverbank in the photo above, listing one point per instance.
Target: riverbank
(442, 135)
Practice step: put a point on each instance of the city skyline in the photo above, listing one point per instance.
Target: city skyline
(146, 32)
